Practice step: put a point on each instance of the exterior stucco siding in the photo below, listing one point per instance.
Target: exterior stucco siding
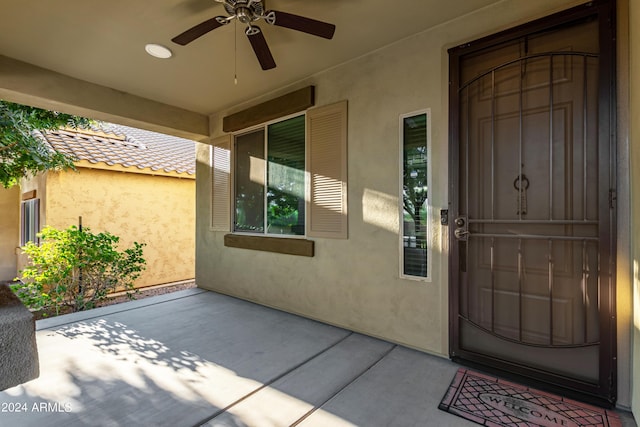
(355, 283)
(158, 211)
(9, 232)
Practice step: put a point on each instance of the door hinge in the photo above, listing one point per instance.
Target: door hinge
(613, 196)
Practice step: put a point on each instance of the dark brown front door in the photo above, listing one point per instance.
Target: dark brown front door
(532, 159)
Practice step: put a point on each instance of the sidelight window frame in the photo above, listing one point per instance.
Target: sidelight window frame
(407, 242)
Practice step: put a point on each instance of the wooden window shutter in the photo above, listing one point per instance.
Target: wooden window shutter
(327, 160)
(221, 184)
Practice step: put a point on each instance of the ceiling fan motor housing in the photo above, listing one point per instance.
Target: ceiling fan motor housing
(245, 10)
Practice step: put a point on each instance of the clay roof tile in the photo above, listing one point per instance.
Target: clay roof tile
(116, 144)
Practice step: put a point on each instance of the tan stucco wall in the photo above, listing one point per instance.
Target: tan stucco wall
(9, 231)
(156, 210)
(634, 143)
(355, 283)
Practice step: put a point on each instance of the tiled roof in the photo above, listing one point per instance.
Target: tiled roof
(129, 147)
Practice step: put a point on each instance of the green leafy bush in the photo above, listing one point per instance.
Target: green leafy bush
(73, 269)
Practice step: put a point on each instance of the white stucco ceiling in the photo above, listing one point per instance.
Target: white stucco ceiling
(103, 42)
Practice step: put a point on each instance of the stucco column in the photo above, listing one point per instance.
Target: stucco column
(18, 350)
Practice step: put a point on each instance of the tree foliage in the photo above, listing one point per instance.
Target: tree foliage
(415, 190)
(75, 269)
(22, 152)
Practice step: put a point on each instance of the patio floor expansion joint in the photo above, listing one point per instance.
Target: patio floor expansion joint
(273, 380)
(371, 366)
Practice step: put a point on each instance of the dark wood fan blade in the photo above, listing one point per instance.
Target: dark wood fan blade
(260, 47)
(300, 23)
(199, 30)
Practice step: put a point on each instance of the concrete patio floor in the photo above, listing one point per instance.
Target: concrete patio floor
(195, 358)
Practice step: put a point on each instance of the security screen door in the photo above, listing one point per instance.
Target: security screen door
(532, 205)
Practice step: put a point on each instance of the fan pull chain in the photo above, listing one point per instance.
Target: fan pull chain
(235, 52)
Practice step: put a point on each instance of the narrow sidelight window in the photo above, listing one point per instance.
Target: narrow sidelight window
(414, 195)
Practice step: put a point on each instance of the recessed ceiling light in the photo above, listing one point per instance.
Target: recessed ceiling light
(158, 51)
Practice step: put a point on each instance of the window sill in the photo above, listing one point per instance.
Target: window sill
(300, 247)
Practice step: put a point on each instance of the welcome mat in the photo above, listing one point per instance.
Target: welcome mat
(494, 402)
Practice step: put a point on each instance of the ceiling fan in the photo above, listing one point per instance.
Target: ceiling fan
(250, 11)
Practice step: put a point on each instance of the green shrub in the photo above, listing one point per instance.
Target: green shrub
(74, 269)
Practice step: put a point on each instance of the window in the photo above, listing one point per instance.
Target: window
(270, 179)
(285, 178)
(414, 143)
(30, 221)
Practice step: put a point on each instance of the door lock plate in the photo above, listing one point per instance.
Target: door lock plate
(461, 232)
(444, 216)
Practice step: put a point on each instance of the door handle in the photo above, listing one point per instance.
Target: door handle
(461, 231)
(461, 234)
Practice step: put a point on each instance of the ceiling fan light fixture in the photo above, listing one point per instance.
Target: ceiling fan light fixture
(158, 51)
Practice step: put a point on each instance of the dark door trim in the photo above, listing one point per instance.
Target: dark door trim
(604, 11)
